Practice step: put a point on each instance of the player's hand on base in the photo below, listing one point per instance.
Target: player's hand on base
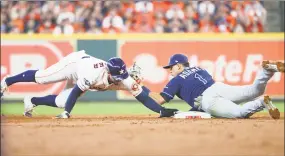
(167, 112)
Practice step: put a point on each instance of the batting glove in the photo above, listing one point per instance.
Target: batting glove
(135, 73)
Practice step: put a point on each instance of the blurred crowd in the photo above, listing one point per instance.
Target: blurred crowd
(66, 17)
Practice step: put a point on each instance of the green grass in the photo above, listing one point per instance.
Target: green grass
(99, 108)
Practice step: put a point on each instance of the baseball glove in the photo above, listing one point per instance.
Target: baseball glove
(167, 112)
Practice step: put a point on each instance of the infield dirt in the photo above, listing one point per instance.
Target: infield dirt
(141, 135)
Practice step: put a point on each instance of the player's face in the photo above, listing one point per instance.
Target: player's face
(113, 80)
(176, 69)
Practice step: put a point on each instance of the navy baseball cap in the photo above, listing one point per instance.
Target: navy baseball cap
(177, 58)
(117, 68)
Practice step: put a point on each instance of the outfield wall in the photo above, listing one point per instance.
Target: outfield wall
(230, 58)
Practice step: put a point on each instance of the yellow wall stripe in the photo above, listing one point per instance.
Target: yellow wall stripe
(153, 36)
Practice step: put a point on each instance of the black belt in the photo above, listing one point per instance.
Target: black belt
(85, 57)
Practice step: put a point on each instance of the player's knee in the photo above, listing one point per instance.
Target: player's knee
(62, 98)
(60, 102)
(39, 77)
(259, 90)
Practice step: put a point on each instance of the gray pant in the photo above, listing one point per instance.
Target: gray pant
(221, 100)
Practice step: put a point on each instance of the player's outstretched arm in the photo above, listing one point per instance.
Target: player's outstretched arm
(147, 101)
(141, 93)
(135, 73)
(145, 98)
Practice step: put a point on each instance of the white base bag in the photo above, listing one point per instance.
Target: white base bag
(192, 115)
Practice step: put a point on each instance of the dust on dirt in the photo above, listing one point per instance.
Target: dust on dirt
(141, 135)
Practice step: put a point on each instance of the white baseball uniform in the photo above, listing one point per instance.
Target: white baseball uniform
(88, 72)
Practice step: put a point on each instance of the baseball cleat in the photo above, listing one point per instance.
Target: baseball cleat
(28, 106)
(273, 111)
(63, 115)
(274, 66)
(4, 86)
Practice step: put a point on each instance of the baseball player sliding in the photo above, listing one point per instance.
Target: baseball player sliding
(196, 87)
(82, 72)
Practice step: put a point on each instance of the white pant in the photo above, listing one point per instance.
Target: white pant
(221, 100)
(65, 69)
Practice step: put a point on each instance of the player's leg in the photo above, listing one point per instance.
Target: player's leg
(63, 70)
(225, 108)
(60, 71)
(50, 100)
(31, 102)
(26, 76)
(245, 93)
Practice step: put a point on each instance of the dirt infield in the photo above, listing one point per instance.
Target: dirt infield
(141, 135)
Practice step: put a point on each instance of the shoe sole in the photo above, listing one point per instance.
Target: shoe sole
(273, 111)
(4, 85)
(59, 118)
(280, 65)
(29, 115)
(28, 112)
(2, 92)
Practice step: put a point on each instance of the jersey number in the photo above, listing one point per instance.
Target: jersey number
(97, 65)
(200, 78)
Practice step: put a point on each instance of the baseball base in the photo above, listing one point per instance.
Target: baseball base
(192, 115)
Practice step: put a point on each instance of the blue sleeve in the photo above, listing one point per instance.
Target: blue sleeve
(146, 90)
(149, 102)
(171, 89)
(72, 98)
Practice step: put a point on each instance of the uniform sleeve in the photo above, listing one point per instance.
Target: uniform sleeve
(132, 86)
(170, 89)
